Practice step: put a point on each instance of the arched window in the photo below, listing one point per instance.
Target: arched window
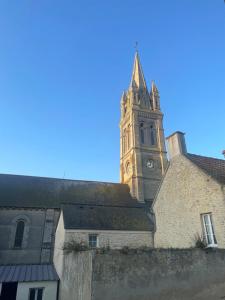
(152, 135)
(142, 133)
(19, 234)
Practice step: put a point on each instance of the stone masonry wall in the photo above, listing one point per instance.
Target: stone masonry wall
(113, 239)
(38, 239)
(33, 235)
(162, 274)
(186, 193)
(74, 269)
(192, 274)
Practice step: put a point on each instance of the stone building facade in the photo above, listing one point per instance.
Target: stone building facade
(190, 205)
(38, 236)
(130, 231)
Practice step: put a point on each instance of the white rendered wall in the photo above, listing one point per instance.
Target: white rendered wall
(49, 293)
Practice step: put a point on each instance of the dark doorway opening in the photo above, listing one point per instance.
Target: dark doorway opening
(9, 290)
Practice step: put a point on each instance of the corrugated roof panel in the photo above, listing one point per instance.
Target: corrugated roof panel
(6, 273)
(16, 274)
(21, 273)
(45, 272)
(39, 272)
(28, 274)
(34, 274)
(1, 271)
(49, 273)
(53, 273)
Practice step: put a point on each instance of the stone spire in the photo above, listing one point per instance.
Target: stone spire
(138, 79)
(154, 97)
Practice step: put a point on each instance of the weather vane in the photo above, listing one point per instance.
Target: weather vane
(136, 46)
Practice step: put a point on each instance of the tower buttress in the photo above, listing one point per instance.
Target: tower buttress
(142, 143)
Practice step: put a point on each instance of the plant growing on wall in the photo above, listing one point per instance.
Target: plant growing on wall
(74, 246)
(200, 242)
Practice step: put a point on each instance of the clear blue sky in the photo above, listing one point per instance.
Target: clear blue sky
(64, 65)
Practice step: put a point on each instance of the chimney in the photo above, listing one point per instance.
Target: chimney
(176, 144)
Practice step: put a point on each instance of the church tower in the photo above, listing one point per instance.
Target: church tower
(142, 143)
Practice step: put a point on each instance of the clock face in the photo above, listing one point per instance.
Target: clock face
(150, 164)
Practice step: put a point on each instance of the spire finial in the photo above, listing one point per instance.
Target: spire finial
(136, 46)
(155, 96)
(137, 80)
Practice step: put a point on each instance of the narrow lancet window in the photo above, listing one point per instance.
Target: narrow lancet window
(142, 133)
(152, 135)
(19, 234)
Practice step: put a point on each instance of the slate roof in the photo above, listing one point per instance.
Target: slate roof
(101, 217)
(41, 192)
(211, 166)
(26, 273)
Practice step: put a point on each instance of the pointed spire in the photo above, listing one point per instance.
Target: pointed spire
(138, 79)
(155, 98)
(123, 97)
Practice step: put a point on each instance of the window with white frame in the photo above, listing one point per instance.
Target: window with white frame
(93, 240)
(209, 235)
(36, 294)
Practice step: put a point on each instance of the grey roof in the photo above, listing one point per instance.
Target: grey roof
(211, 166)
(41, 192)
(101, 217)
(22, 273)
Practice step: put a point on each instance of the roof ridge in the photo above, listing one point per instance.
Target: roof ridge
(138, 205)
(62, 179)
(209, 157)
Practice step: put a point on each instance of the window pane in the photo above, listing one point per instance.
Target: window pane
(32, 294)
(208, 228)
(209, 239)
(39, 294)
(214, 237)
(206, 219)
(93, 241)
(19, 234)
